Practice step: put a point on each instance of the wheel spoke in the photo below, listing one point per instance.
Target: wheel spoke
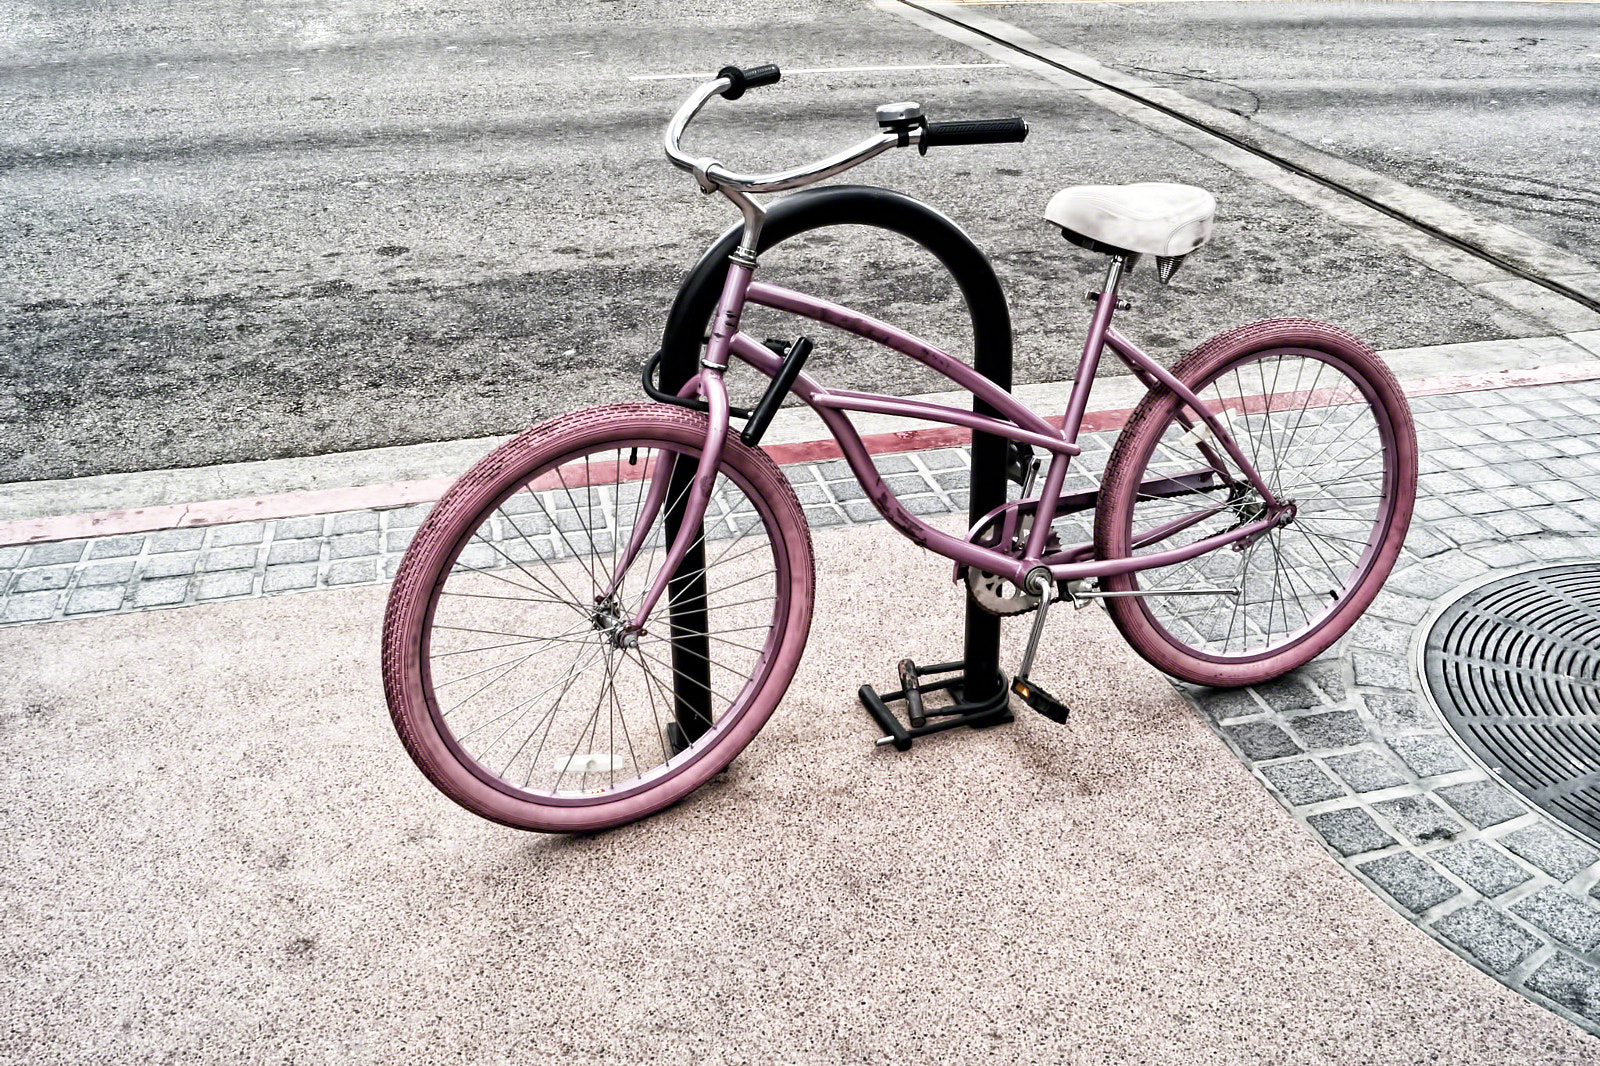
(1311, 427)
(527, 665)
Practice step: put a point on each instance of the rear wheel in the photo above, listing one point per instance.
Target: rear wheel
(1325, 425)
(513, 677)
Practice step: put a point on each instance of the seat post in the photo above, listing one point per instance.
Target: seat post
(1106, 304)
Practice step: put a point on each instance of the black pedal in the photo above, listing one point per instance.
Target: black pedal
(1040, 700)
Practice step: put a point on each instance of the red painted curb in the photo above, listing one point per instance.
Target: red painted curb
(402, 493)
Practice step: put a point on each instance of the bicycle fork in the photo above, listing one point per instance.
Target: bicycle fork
(688, 516)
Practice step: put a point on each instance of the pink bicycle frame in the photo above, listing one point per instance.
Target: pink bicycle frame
(1017, 423)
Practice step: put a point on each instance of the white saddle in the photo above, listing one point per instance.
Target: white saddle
(1152, 217)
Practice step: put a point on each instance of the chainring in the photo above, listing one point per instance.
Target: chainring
(993, 593)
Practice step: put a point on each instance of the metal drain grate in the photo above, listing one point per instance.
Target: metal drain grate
(1515, 667)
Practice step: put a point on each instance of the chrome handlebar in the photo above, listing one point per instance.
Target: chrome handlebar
(712, 175)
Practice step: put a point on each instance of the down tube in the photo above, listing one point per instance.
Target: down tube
(860, 461)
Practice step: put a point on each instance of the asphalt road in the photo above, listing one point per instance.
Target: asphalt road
(1494, 107)
(231, 234)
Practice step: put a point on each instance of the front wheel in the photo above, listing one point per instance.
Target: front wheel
(513, 675)
(1325, 425)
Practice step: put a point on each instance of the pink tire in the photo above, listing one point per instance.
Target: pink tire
(510, 673)
(1324, 422)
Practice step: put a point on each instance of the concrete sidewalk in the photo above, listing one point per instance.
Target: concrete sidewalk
(217, 849)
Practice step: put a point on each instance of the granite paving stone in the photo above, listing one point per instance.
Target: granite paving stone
(1331, 729)
(42, 579)
(1502, 555)
(1350, 831)
(1395, 710)
(1261, 740)
(1425, 543)
(353, 545)
(406, 517)
(67, 551)
(352, 571)
(859, 510)
(1419, 819)
(1225, 705)
(1327, 675)
(1379, 670)
(294, 551)
(1411, 882)
(1558, 519)
(1563, 917)
(811, 492)
(96, 599)
(11, 555)
(1287, 693)
(906, 484)
(1466, 530)
(1430, 509)
(1495, 940)
(242, 557)
(30, 607)
(296, 528)
(1428, 755)
(1482, 803)
(1482, 866)
(1570, 982)
(1513, 524)
(1551, 850)
(239, 533)
(116, 547)
(1366, 771)
(1560, 491)
(925, 505)
(1397, 608)
(1378, 635)
(224, 584)
(289, 576)
(169, 564)
(356, 522)
(1302, 783)
(111, 573)
(161, 592)
(175, 540)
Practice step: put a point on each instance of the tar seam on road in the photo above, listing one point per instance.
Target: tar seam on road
(1343, 189)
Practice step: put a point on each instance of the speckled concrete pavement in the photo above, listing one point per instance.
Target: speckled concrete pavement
(215, 849)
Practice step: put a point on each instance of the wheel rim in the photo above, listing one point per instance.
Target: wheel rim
(1325, 447)
(531, 677)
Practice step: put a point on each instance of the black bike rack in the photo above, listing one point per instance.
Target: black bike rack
(977, 686)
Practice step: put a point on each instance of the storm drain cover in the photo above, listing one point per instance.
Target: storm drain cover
(1514, 665)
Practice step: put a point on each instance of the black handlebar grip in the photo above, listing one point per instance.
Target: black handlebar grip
(972, 131)
(753, 78)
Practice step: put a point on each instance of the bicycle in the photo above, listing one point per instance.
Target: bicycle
(601, 614)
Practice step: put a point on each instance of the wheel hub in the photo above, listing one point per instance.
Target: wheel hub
(608, 619)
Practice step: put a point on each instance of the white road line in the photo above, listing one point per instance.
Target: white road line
(707, 76)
